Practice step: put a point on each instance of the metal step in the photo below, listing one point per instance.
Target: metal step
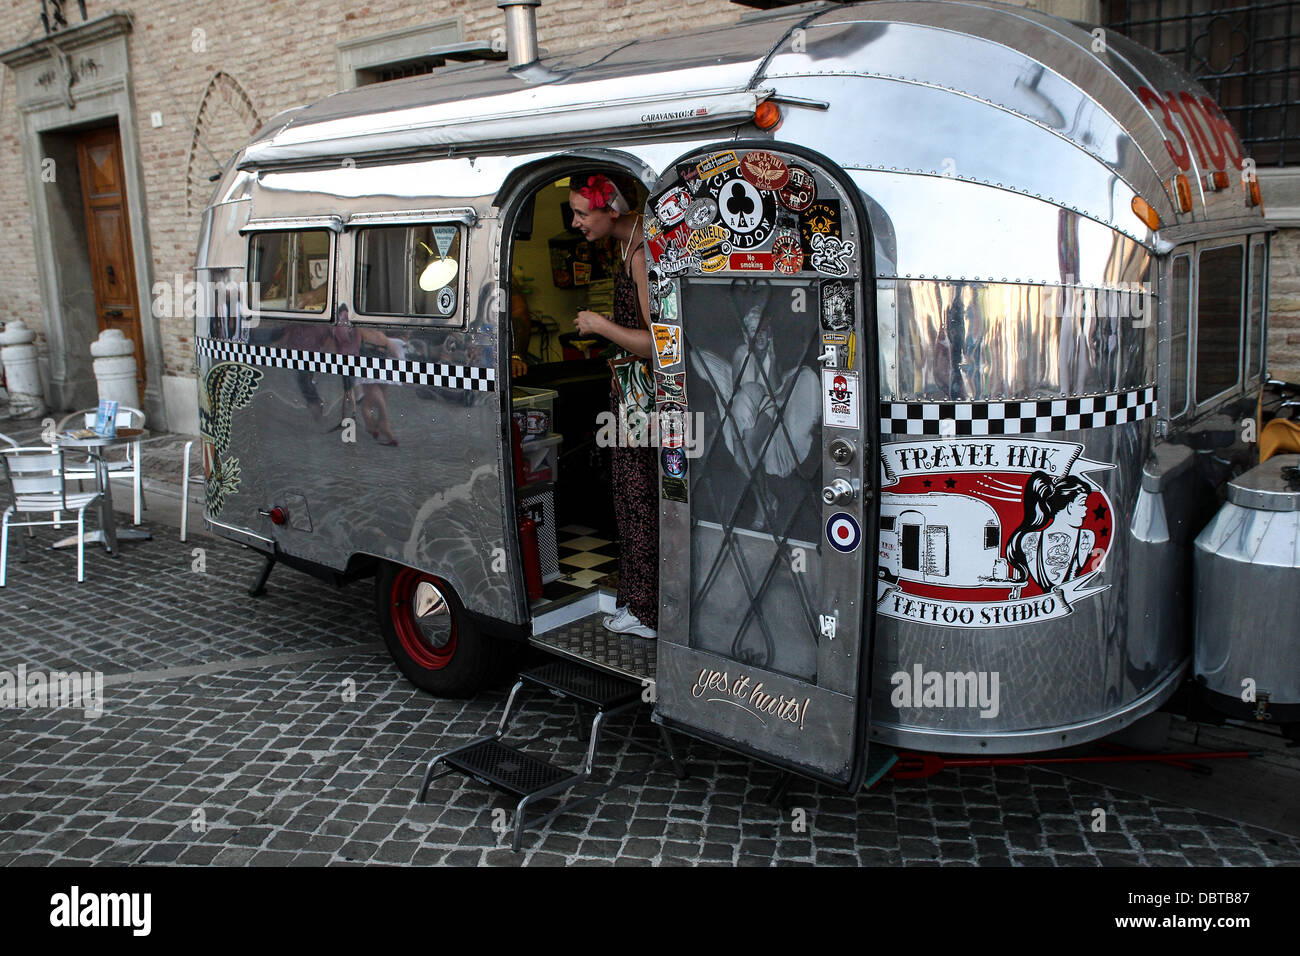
(507, 768)
(600, 689)
(510, 770)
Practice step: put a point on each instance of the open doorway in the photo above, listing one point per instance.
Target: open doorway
(561, 392)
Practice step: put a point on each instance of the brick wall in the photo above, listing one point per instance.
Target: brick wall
(1284, 305)
(279, 54)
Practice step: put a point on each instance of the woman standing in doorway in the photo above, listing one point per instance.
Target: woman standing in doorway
(600, 209)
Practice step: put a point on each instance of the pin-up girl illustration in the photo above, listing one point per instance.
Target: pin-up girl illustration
(1050, 546)
(767, 401)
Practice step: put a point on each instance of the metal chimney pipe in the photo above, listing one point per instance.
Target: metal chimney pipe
(521, 30)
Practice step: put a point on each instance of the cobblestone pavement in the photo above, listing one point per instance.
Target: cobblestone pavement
(277, 731)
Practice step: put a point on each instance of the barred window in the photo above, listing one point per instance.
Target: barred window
(1246, 53)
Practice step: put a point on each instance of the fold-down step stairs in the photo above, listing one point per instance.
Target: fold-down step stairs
(515, 772)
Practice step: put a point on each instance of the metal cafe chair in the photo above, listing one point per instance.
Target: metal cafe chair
(36, 484)
(127, 466)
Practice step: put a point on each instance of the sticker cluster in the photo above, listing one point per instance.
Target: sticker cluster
(747, 212)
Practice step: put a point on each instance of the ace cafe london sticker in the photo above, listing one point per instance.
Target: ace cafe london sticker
(990, 532)
(748, 213)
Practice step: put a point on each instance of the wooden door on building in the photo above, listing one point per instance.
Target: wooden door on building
(108, 233)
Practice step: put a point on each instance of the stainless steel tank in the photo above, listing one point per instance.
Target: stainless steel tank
(1247, 582)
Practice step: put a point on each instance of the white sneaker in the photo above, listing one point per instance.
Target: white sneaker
(629, 624)
(619, 618)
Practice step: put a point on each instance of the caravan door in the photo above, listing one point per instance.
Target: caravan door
(761, 295)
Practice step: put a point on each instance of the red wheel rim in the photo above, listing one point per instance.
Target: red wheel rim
(422, 635)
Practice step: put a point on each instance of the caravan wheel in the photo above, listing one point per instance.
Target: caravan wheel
(429, 634)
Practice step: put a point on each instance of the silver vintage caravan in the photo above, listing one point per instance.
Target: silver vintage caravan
(954, 306)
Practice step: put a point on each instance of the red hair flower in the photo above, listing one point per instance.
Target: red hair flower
(601, 193)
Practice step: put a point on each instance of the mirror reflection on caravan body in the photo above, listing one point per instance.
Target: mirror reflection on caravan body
(953, 314)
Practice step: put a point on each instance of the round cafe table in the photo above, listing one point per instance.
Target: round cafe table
(108, 534)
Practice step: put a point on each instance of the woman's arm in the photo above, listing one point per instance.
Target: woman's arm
(637, 341)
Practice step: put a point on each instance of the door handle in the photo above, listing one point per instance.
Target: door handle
(113, 313)
(838, 492)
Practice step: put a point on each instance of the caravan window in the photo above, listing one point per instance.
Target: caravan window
(1180, 305)
(411, 274)
(292, 270)
(1255, 341)
(1220, 273)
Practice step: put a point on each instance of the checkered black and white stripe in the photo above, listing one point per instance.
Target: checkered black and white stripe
(368, 368)
(1017, 418)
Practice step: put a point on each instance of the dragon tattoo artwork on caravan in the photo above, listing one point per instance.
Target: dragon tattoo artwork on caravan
(228, 386)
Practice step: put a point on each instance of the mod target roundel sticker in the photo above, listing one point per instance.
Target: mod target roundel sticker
(843, 532)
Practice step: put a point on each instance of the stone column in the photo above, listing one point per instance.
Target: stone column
(114, 363)
(22, 372)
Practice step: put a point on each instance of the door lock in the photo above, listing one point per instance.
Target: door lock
(841, 451)
(838, 492)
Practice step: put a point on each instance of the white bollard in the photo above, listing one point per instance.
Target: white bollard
(114, 365)
(22, 371)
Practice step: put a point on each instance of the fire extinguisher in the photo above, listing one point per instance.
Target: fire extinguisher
(532, 560)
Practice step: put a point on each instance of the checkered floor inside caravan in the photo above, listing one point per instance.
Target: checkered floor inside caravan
(588, 559)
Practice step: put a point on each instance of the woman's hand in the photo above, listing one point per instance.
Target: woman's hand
(592, 323)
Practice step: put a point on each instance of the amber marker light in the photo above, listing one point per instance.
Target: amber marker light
(1256, 198)
(1220, 180)
(1142, 209)
(767, 116)
(1184, 190)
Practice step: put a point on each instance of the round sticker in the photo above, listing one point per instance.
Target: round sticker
(787, 253)
(747, 212)
(799, 190)
(446, 300)
(671, 206)
(741, 206)
(710, 244)
(701, 212)
(674, 462)
(843, 532)
(764, 170)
